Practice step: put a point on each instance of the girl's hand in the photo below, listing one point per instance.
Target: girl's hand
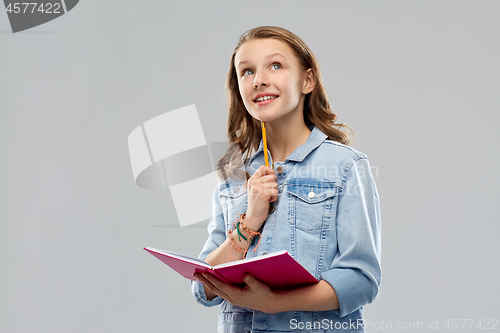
(262, 190)
(254, 295)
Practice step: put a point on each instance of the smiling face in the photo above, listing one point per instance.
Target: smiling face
(271, 82)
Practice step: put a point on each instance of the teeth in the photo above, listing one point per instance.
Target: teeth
(265, 98)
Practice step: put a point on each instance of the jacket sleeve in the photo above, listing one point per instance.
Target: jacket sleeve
(355, 272)
(216, 236)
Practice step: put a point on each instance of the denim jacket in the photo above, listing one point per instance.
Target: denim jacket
(327, 217)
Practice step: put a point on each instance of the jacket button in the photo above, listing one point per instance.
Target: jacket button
(280, 169)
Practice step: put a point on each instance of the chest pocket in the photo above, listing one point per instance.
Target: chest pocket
(311, 206)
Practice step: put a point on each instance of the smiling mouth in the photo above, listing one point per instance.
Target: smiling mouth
(264, 98)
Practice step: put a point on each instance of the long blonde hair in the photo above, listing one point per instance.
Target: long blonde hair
(244, 132)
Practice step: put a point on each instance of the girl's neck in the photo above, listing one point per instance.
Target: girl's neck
(283, 139)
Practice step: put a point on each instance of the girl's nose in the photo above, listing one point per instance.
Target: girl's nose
(260, 80)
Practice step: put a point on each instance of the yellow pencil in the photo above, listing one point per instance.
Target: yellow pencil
(264, 140)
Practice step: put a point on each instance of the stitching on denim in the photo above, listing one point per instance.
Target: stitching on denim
(225, 210)
(322, 196)
(307, 152)
(291, 212)
(353, 150)
(318, 184)
(326, 201)
(324, 232)
(348, 169)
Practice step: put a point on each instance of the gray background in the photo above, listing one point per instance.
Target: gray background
(417, 80)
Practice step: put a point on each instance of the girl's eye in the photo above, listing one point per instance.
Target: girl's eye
(276, 66)
(247, 72)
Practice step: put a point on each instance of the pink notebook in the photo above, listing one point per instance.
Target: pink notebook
(278, 269)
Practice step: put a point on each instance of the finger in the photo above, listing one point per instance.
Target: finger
(258, 186)
(197, 275)
(249, 279)
(268, 170)
(253, 283)
(223, 287)
(262, 171)
(211, 286)
(270, 184)
(201, 278)
(273, 195)
(267, 193)
(207, 283)
(269, 178)
(259, 172)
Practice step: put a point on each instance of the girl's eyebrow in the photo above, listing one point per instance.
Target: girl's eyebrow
(266, 57)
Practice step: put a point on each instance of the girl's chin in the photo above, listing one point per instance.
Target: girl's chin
(267, 120)
(264, 116)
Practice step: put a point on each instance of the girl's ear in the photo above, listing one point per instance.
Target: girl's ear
(308, 82)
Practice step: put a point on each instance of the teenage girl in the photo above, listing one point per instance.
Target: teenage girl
(317, 198)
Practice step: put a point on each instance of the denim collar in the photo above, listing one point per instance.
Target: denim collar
(313, 141)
